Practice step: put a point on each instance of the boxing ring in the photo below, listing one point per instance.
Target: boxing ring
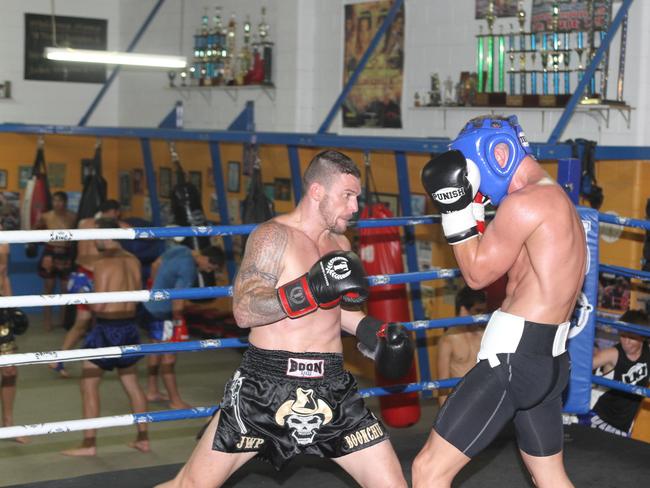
(496, 457)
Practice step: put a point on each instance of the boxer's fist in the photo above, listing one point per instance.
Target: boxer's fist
(337, 275)
(389, 344)
(452, 183)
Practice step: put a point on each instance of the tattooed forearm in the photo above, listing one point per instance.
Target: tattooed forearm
(255, 299)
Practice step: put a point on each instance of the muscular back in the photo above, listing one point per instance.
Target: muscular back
(117, 270)
(277, 252)
(536, 238)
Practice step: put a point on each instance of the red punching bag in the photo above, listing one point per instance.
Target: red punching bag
(381, 252)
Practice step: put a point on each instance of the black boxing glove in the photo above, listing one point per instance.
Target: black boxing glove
(335, 276)
(389, 344)
(452, 183)
(17, 320)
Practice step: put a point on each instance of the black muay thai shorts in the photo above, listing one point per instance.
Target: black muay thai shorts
(280, 404)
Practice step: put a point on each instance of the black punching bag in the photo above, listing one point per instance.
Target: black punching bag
(257, 207)
(187, 210)
(94, 188)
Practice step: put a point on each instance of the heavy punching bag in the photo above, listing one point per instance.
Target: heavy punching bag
(94, 189)
(187, 210)
(257, 207)
(380, 250)
(37, 198)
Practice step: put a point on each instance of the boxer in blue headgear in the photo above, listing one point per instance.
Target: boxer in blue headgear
(477, 141)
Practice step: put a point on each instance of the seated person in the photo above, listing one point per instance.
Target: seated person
(615, 410)
(459, 346)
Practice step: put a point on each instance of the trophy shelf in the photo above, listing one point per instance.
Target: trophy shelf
(600, 111)
(231, 90)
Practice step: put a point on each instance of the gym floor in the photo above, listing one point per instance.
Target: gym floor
(593, 458)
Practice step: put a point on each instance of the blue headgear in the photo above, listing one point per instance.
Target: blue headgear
(477, 141)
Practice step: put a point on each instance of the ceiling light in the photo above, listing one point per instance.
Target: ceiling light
(115, 57)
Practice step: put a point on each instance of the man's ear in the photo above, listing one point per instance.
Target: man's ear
(501, 152)
(316, 191)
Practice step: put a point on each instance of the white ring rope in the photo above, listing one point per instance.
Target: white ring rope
(76, 299)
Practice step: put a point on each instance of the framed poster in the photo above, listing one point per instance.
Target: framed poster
(233, 176)
(56, 175)
(282, 189)
(74, 32)
(137, 178)
(165, 188)
(24, 174)
(418, 204)
(375, 100)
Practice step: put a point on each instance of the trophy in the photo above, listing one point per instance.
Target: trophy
(544, 60)
(485, 56)
(218, 46)
(490, 48)
(511, 57)
(521, 16)
(605, 62)
(502, 53)
(566, 56)
(267, 49)
(621, 63)
(555, 56)
(580, 49)
(591, 96)
(434, 94)
(479, 59)
(229, 67)
(533, 56)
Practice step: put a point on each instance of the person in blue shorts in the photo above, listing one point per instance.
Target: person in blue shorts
(115, 325)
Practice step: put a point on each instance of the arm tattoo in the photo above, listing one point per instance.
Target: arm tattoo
(255, 299)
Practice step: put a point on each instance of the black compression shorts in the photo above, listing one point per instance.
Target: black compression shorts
(281, 403)
(526, 386)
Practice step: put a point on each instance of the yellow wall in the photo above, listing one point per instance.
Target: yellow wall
(20, 150)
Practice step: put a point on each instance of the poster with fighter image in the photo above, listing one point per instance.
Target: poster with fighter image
(574, 15)
(376, 98)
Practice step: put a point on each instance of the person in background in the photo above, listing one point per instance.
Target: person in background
(82, 279)
(459, 346)
(629, 359)
(58, 256)
(13, 322)
(115, 325)
(176, 268)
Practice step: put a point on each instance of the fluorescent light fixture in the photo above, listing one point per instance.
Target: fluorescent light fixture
(115, 57)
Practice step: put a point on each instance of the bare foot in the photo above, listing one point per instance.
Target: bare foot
(22, 440)
(142, 446)
(157, 397)
(59, 368)
(179, 404)
(81, 451)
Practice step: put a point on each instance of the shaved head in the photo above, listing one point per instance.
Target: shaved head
(325, 166)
